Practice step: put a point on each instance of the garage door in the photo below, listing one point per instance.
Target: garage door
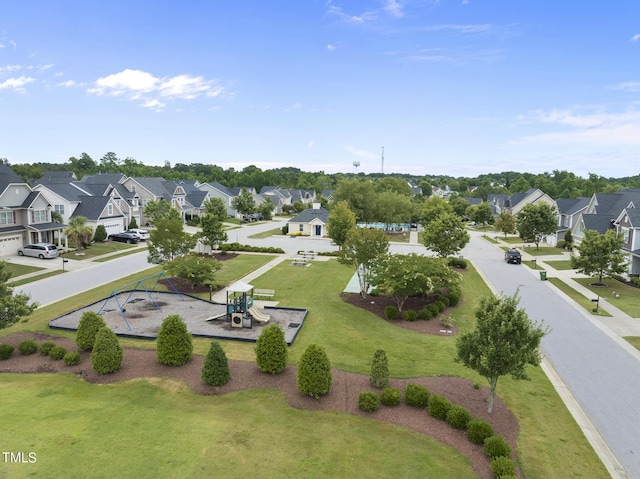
(9, 245)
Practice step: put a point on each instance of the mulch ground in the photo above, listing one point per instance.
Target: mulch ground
(343, 397)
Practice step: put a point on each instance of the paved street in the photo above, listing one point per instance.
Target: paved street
(599, 368)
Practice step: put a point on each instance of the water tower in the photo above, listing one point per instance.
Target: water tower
(356, 164)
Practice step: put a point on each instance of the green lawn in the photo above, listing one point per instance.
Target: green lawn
(38, 277)
(20, 269)
(624, 297)
(266, 234)
(544, 251)
(560, 265)
(634, 341)
(98, 249)
(550, 443)
(579, 298)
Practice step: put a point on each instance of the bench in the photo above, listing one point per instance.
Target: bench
(299, 262)
(308, 254)
(264, 293)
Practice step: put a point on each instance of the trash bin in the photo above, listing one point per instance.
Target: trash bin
(543, 275)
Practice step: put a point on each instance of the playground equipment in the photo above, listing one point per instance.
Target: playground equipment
(239, 300)
(258, 315)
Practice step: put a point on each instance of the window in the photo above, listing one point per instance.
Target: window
(134, 202)
(59, 209)
(625, 234)
(6, 218)
(133, 188)
(301, 227)
(110, 209)
(39, 216)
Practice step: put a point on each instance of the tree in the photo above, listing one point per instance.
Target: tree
(360, 195)
(266, 208)
(107, 355)
(600, 254)
(101, 234)
(340, 222)
(460, 206)
(244, 203)
(391, 207)
(481, 213)
(78, 231)
(216, 207)
(504, 341)
(362, 250)
(536, 220)
(175, 343)
(568, 240)
(314, 372)
(156, 210)
(379, 377)
(133, 224)
(215, 370)
(271, 350)
(213, 233)
(433, 208)
(446, 235)
(394, 185)
(194, 268)
(90, 324)
(506, 223)
(12, 306)
(169, 239)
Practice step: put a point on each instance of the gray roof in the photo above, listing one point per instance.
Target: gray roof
(68, 191)
(8, 176)
(91, 207)
(473, 201)
(634, 216)
(310, 214)
(570, 206)
(599, 223)
(157, 186)
(104, 178)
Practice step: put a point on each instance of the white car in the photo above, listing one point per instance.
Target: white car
(143, 235)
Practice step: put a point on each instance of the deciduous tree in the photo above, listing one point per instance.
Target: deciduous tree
(506, 223)
(362, 250)
(340, 222)
(535, 221)
(600, 254)
(13, 307)
(195, 269)
(169, 239)
(446, 235)
(244, 203)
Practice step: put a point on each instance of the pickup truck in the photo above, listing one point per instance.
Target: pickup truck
(513, 256)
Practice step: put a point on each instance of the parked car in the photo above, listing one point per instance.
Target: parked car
(39, 250)
(513, 256)
(124, 237)
(143, 235)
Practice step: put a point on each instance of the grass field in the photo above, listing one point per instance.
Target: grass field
(560, 265)
(579, 298)
(550, 443)
(624, 297)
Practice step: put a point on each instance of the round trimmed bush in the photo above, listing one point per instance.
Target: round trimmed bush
(90, 324)
(215, 370)
(458, 417)
(46, 347)
(368, 401)
(107, 354)
(454, 298)
(390, 396)
(440, 305)
(434, 310)
(425, 313)
(391, 312)
(314, 372)
(72, 358)
(503, 466)
(28, 346)
(57, 353)
(379, 377)
(175, 343)
(409, 315)
(496, 446)
(439, 406)
(271, 350)
(478, 430)
(416, 395)
(6, 350)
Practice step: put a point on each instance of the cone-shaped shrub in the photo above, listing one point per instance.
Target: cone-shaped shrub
(106, 356)
(314, 372)
(215, 370)
(175, 343)
(271, 350)
(90, 324)
(379, 377)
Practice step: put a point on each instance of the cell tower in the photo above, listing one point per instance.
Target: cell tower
(382, 168)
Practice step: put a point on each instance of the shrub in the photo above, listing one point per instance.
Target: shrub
(28, 346)
(314, 372)
(439, 406)
(478, 430)
(458, 417)
(390, 396)
(175, 343)
(440, 305)
(391, 312)
(457, 263)
(409, 315)
(106, 356)
(100, 235)
(379, 376)
(215, 370)
(57, 353)
(561, 244)
(71, 358)
(416, 395)
(90, 324)
(6, 351)
(503, 466)
(271, 350)
(454, 298)
(133, 224)
(445, 300)
(368, 401)
(434, 310)
(425, 313)
(46, 347)
(495, 446)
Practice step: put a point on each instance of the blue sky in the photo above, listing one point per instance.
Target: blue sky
(456, 87)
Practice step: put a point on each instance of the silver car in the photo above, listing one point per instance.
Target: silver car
(39, 250)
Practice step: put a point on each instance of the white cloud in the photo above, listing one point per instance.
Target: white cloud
(331, 47)
(461, 28)
(140, 85)
(352, 19)
(636, 37)
(16, 84)
(70, 84)
(295, 106)
(360, 153)
(629, 86)
(310, 144)
(10, 68)
(46, 67)
(394, 8)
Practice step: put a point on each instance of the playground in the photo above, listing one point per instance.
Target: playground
(137, 311)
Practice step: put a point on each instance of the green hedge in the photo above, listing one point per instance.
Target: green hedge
(439, 406)
(416, 395)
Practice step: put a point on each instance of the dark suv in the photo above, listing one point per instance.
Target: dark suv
(513, 256)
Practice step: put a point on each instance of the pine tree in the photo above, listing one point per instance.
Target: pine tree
(90, 324)
(379, 377)
(314, 372)
(215, 370)
(107, 354)
(271, 350)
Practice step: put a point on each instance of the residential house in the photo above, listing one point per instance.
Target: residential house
(311, 222)
(569, 212)
(515, 202)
